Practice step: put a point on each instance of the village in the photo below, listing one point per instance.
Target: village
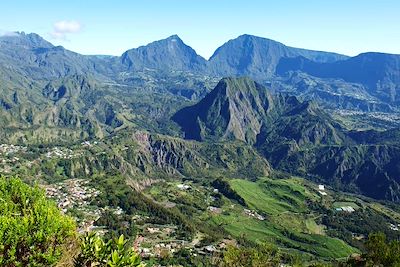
(15, 158)
(153, 240)
(63, 153)
(76, 194)
(9, 156)
(11, 149)
(161, 240)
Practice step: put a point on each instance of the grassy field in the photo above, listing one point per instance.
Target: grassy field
(239, 225)
(289, 222)
(273, 196)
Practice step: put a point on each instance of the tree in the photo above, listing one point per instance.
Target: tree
(33, 231)
(380, 252)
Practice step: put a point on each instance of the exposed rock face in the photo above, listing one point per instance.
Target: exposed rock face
(149, 157)
(235, 109)
(239, 108)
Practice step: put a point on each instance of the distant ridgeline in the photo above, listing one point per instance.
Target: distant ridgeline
(50, 95)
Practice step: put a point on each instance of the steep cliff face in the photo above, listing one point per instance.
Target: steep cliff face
(235, 109)
(241, 109)
(147, 158)
(188, 158)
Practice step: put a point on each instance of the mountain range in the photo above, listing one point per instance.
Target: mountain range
(246, 55)
(367, 82)
(378, 72)
(286, 109)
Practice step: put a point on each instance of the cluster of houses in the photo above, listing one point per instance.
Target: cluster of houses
(7, 157)
(71, 193)
(9, 160)
(160, 241)
(62, 153)
(11, 149)
(75, 193)
(383, 116)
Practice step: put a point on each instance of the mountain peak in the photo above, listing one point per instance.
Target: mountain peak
(254, 38)
(242, 109)
(234, 109)
(237, 84)
(174, 37)
(170, 53)
(258, 57)
(31, 40)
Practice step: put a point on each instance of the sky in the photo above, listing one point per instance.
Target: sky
(111, 27)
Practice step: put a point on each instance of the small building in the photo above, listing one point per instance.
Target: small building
(210, 248)
(183, 186)
(215, 209)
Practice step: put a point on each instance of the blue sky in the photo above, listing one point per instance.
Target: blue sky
(113, 26)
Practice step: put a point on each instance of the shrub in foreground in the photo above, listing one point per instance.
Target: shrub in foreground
(33, 231)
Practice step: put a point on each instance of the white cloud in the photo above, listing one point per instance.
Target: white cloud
(7, 33)
(62, 28)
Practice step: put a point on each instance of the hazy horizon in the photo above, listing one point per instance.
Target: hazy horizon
(96, 28)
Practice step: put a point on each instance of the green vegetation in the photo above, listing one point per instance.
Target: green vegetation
(262, 255)
(273, 196)
(225, 188)
(291, 207)
(114, 253)
(382, 252)
(33, 232)
(259, 232)
(115, 193)
(378, 252)
(115, 123)
(348, 227)
(289, 220)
